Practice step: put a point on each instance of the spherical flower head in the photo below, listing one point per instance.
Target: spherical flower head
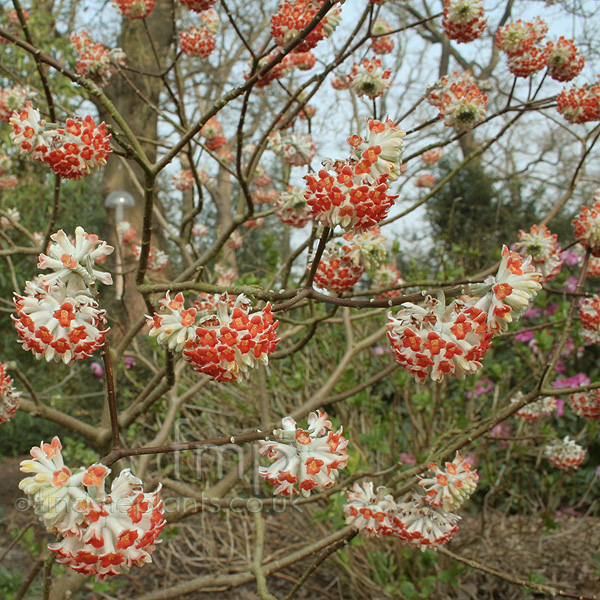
(292, 208)
(261, 177)
(542, 245)
(529, 61)
(339, 82)
(9, 397)
(198, 5)
(564, 61)
(126, 232)
(157, 259)
(13, 100)
(450, 487)
(197, 42)
(423, 525)
(304, 459)
(73, 263)
(211, 129)
(381, 152)
(586, 404)
(565, 454)
(183, 180)
(425, 180)
(13, 216)
(587, 227)
(368, 78)
(56, 324)
(580, 104)
(382, 44)
(232, 341)
(435, 340)
(505, 297)
(515, 38)
(387, 275)
(370, 511)
(211, 20)
(134, 9)
(589, 316)
(463, 20)
(430, 157)
(535, 410)
(296, 149)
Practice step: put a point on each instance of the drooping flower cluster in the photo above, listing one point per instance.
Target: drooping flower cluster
(292, 207)
(580, 104)
(94, 60)
(448, 488)
(368, 78)
(134, 9)
(73, 152)
(437, 340)
(345, 260)
(371, 511)
(534, 410)
(13, 99)
(586, 404)
(183, 180)
(505, 296)
(223, 344)
(102, 534)
(542, 245)
(522, 42)
(587, 227)
(382, 44)
(58, 318)
(459, 101)
(296, 149)
(197, 42)
(564, 61)
(565, 454)
(9, 397)
(304, 459)
(293, 16)
(589, 315)
(463, 20)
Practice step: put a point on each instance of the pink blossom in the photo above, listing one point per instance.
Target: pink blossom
(129, 362)
(96, 369)
(569, 258)
(560, 407)
(526, 336)
(575, 381)
(407, 458)
(571, 284)
(483, 386)
(533, 312)
(550, 310)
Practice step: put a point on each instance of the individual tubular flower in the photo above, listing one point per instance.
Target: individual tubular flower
(564, 61)
(175, 326)
(586, 404)
(369, 510)
(430, 157)
(382, 44)
(589, 315)
(587, 227)
(385, 276)
(304, 459)
(183, 180)
(157, 259)
(507, 295)
(56, 324)
(292, 208)
(534, 410)
(102, 534)
(425, 180)
(73, 261)
(9, 397)
(293, 16)
(232, 341)
(381, 152)
(463, 20)
(197, 42)
(423, 525)
(580, 104)
(198, 5)
(348, 197)
(134, 9)
(450, 487)
(460, 102)
(565, 454)
(296, 149)
(435, 340)
(542, 245)
(368, 78)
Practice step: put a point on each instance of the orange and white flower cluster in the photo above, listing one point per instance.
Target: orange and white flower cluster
(385, 276)
(72, 152)
(134, 9)
(224, 343)
(522, 42)
(102, 534)
(183, 180)
(7, 181)
(580, 104)
(461, 104)
(94, 60)
(304, 459)
(425, 521)
(589, 315)
(293, 16)
(587, 227)
(564, 61)
(535, 410)
(345, 260)
(292, 207)
(157, 258)
(296, 149)
(58, 318)
(355, 195)
(9, 396)
(212, 131)
(382, 44)
(369, 78)
(198, 5)
(586, 404)
(542, 245)
(13, 99)
(565, 454)
(463, 20)
(198, 42)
